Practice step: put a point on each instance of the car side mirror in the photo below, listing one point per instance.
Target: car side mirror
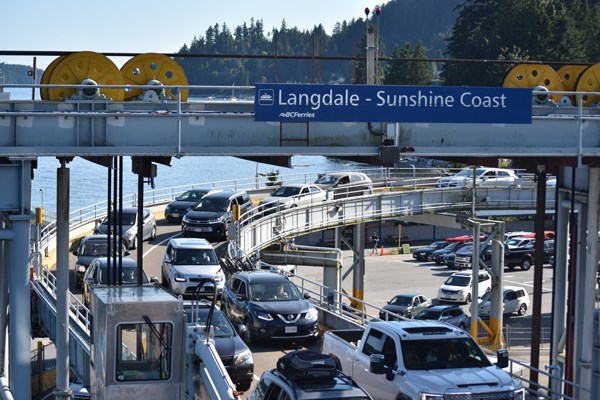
(376, 365)
(154, 279)
(502, 358)
(75, 253)
(126, 252)
(241, 328)
(306, 295)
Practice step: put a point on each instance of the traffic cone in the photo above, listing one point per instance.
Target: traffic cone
(382, 251)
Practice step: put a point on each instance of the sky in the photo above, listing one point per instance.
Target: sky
(144, 26)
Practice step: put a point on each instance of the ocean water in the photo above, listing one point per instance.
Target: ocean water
(89, 181)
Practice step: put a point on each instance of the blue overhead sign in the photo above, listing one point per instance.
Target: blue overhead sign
(366, 103)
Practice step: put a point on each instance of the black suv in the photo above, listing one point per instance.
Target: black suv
(269, 306)
(212, 214)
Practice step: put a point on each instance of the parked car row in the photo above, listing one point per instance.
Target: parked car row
(457, 252)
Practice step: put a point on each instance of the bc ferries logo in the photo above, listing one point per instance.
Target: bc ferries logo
(266, 97)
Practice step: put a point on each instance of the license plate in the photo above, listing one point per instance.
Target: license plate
(175, 215)
(291, 329)
(202, 229)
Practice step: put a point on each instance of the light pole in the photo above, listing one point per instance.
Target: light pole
(42, 191)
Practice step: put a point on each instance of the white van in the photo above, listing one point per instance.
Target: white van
(514, 300)
(458, 286)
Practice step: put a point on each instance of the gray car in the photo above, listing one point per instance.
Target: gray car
(405, 305)
(446, 313)
(128, 230)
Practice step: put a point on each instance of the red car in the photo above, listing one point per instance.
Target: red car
(464, 238)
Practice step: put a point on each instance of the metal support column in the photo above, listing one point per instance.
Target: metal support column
(4, 276)
(20, 311)
(62, 390)
(559, 290)
(538, 274)
(474, 307)
(358, 274)
(586, 289)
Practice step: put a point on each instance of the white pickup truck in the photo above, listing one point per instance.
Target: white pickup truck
(420, 360)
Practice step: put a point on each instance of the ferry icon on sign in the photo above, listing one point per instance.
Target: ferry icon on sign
(265, 97)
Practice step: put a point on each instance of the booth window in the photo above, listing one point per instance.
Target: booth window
(144, 351)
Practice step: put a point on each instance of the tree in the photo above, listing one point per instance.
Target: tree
(402, 71)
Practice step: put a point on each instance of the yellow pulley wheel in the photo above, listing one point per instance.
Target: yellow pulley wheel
(589, 81)
(532, 75)
(84, 66)
(46, 76)
(569, 74)
(142, 69)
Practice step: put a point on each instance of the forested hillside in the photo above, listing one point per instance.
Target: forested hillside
(400, 22)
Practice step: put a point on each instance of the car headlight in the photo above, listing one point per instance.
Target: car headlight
(130, 233)
(80, 268)
(243, 358)
(216, 220)
(179, 278)
(519, 394)
(186, 220)
(264, 316)
(430, 396)
(312, 313)
(219, 278)
(167, 209)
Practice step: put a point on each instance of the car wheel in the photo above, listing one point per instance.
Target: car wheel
(134, 243)
(153, 234)
(430, 257)
(468, 299)
(522, 309)
(242, 387)
(525, 265)
(248, 335)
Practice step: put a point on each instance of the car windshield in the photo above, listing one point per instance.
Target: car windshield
(465, 172)
(194, 257)
(128, 218)
(401, 300)
(443, 354)
(97, 249)
(327, 180)
(275, 291)
(466, 249)
(486, 296)
(458, 280)
(428, 314)
(128, 274)
(221, 326)
(286, 191)
(451, 246)
(191, 195)
(212, 204)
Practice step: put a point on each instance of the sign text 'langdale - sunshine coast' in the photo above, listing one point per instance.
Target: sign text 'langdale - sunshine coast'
(365, 103)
